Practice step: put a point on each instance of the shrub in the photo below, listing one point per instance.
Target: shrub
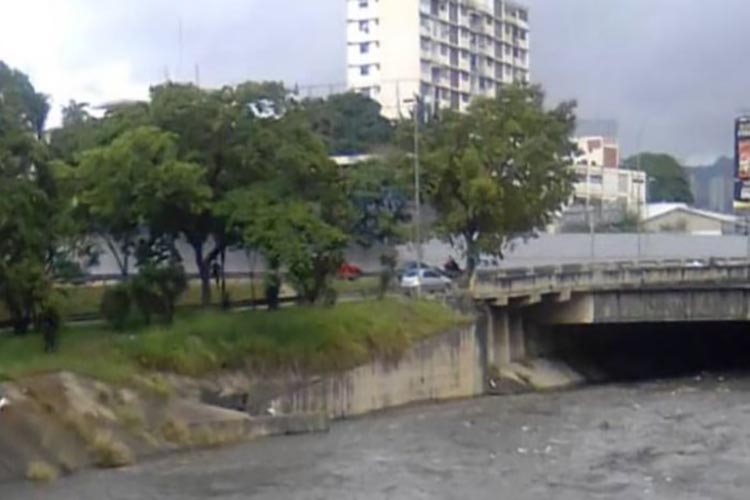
(42, 472)
(156, 289)
(110, 453)
(115, 306)
(24, 286)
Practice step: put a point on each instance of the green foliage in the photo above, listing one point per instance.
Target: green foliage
(22, 100)
(290, 234)
(156, 289)
(499, 171)
(137, 180)
(379, 192)
(29, 219)
(115, 306)
(667, 179)
(349, 123)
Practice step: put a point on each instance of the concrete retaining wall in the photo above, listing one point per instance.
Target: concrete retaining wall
(446, 367)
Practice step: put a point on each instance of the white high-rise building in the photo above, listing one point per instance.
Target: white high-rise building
(446, 51)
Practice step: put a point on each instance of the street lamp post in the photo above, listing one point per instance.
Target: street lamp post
(417, 195)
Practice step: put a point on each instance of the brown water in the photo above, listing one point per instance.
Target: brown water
(679, 439)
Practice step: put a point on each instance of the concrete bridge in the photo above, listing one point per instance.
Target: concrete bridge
(524, 306)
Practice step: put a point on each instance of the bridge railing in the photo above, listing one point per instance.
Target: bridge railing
(525, 281)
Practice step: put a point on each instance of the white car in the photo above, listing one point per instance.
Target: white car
(429, 279)
(4, 402)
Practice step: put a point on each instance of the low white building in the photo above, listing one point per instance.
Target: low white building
(600, 186)
(680, 218)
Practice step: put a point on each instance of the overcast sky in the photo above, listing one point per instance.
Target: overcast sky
(672, 72)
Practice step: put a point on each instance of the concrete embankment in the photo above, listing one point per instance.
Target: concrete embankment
(68, 422)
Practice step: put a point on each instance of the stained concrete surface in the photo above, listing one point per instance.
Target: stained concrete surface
(680, 439)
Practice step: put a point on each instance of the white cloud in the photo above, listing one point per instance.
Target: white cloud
(42, 39)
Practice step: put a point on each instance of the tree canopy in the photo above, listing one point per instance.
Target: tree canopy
(349, 123)
(667, 179)
(499, 171)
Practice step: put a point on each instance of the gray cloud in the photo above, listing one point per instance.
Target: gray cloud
(672, 71)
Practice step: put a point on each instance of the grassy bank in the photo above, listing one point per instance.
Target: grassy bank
(303, 339)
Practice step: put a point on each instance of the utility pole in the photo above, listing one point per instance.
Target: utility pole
(640, 214)
(417, 194)
(589, 215)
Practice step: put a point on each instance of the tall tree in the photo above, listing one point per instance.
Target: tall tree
(667, 179)
(22, 100)
(349, 123)
(499, 171)
(29, 220)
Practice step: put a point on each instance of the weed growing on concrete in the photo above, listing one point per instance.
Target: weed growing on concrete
(41, 472)
(109, 452)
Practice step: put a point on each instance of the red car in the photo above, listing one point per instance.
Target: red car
(349, 272)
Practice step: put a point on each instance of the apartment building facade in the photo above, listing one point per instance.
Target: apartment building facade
(445, 51)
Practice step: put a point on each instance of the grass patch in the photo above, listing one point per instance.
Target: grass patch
(367, 285)
(92, 351)
(109, 452)
(176, 432)
(41, 472)
(301, 339)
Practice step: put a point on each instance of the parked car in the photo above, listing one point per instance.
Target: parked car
(4, 402)
(411, 266)
(349, 272)
(431, 280)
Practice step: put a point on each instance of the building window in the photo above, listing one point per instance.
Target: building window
(364, 48)
(364, 26)
(363, 4)
(364, 70)
(523, 15)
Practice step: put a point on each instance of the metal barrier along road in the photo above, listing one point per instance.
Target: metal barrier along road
(503, 284)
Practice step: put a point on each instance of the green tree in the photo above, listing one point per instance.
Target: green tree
(135, 185)
(237, 146)
(29, 219)
(667, 179)
(289, 234)
(349, 123)
(499, 171)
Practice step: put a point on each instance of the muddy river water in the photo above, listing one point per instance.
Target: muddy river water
(678, 439)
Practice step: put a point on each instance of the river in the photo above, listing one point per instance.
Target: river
(678, 439)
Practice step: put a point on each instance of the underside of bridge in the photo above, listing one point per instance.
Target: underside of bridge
(627, 334)
(635, 351)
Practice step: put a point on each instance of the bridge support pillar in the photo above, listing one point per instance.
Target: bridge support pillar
(499, 351)
(517, 337)
(506, 340)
